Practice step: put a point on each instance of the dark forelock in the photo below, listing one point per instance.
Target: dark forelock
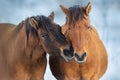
(76, 13)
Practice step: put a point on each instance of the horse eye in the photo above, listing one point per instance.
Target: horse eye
(88, 27)
(44, 35)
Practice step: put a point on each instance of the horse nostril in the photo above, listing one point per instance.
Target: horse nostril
(67, 53)
(83, 55)
(76, 55)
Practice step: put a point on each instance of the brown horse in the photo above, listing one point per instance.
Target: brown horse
(23, 47)
(90, 57)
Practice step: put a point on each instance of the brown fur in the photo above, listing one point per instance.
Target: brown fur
(23, 47)
(83, 37)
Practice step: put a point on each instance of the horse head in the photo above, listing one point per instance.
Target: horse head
(78, 31)
(48, 34)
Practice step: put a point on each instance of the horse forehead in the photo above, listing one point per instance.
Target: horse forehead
(79, 35)
(79, 24)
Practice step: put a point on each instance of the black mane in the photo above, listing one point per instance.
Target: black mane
(43, 22)
(76, 12)
(46, 24)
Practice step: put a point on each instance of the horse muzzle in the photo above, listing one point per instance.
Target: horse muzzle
(80, 58)
(67, 54)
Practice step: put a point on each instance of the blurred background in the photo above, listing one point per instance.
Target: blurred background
(105, 16)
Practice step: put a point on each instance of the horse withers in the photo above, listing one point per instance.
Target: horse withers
(23, 47)
(90, 56)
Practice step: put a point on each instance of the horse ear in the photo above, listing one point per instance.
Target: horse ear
(33, 23)
(31, 31)
(88, 8)
(51, 16)
(65, 10)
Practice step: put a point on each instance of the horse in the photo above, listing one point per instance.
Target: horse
(23, 47)
(90, 56)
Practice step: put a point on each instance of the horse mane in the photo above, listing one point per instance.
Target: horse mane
(46, 24)
(76, 12)
(19, 26)
(29, 29)
(43, 23)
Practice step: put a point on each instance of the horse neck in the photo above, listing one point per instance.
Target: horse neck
(13, 44)
(19, 35)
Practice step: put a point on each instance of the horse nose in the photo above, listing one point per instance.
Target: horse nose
(80, 58)
(68, 53)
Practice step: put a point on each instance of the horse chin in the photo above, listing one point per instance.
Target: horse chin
(80, 62)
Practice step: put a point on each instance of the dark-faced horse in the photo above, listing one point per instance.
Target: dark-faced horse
(23, 47)
(90, 56)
